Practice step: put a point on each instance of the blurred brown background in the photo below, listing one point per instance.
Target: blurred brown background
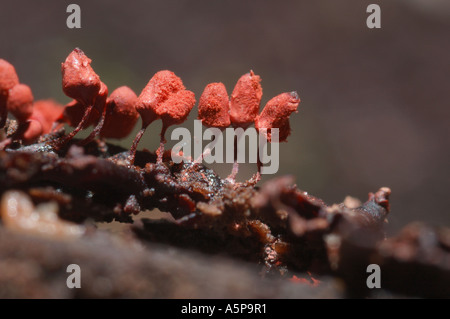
(375, 107)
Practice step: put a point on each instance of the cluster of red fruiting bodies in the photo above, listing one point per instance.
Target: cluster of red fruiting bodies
(114, 116)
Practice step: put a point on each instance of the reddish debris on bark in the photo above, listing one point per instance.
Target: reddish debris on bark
(245, 100)
(8, 79)
(20, 102)
(276, 115)
(121, 116)
(214, 106)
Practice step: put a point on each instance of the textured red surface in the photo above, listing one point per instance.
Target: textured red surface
(214, 106)
(157, 91)
(80, 81)
(176, 108)
(245, 100)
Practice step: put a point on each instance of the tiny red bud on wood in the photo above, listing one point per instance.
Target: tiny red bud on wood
(245, 100)
(276, 115)
(214, 106)
(20, 102)
(121, 116)
(158, 89)
(80, 82)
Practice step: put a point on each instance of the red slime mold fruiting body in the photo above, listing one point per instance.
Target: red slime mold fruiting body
(45, 115)
(73, 113)
(80, 82)
(163, 97)
(214, 106)
(157, 91)
(47, 112)
(276, 115)
(245, 100)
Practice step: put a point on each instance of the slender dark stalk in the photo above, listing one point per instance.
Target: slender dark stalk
(63, 140)
(96, 130)
(136, 141)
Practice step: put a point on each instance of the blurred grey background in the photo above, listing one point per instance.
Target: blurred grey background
(375, 102)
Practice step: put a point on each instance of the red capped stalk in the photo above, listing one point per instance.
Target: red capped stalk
(244, 107)
(276, 114)
(47, 112)
(80, 82)
(121, 114)
(173, 111)
(214, 109)
(151, 105)
(28, 132)
(8, 79)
